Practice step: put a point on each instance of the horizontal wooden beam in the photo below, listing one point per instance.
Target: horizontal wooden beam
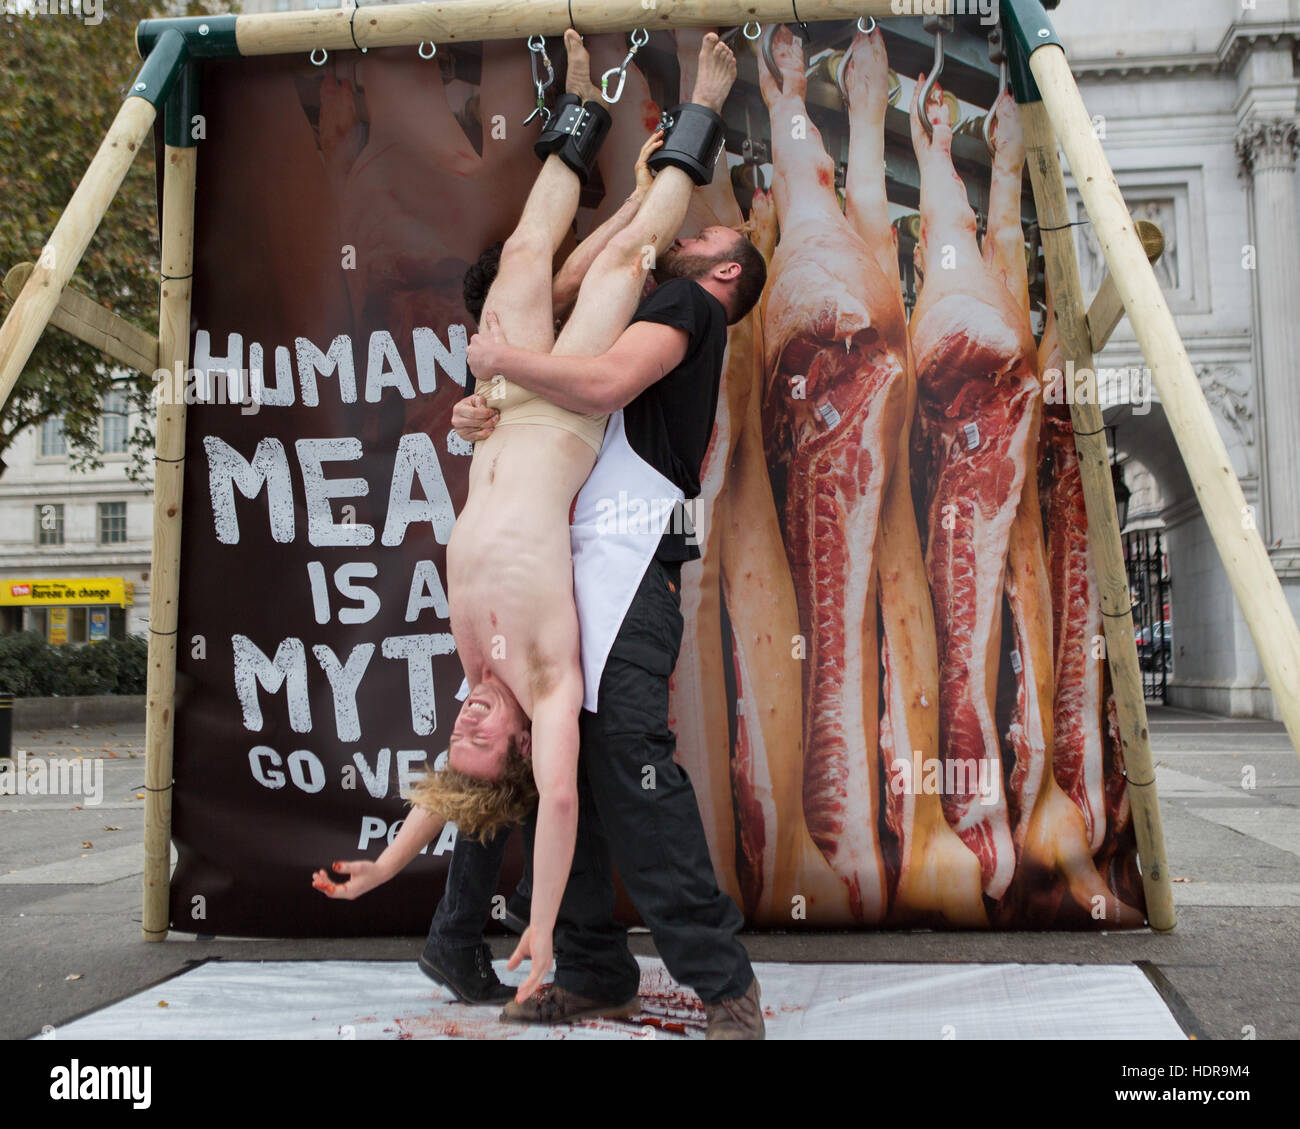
(1107, 307)
(88, 321)
(405, 25)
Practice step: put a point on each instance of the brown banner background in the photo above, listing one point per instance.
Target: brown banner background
(349, 199)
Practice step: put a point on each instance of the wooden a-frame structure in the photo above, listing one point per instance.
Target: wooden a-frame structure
(1053, 114)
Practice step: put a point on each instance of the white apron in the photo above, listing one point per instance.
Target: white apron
(621, 513)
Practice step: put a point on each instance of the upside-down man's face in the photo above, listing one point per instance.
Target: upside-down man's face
(480, 740)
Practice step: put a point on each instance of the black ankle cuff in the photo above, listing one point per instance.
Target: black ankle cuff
(694, 139)
(555, 133)
(585, 138)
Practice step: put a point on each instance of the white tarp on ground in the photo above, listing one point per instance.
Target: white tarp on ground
(393, 1000)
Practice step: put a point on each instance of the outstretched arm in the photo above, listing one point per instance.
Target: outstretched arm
(564, 290)
(644, 353)
(555, 771)
(418, 831)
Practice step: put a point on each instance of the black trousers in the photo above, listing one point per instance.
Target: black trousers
(636, 811)
(472, 878)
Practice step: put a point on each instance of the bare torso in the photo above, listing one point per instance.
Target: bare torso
(509, 568)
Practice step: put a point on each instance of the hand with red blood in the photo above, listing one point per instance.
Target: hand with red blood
(363, 876)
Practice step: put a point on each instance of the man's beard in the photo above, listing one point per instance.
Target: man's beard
(680, 264)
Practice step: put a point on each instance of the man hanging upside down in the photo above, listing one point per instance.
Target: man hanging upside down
(512, 578)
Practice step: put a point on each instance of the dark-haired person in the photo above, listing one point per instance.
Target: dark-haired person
(660, 382)
(509, 570)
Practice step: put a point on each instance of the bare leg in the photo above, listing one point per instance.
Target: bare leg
(946, 216)
(1004, 245)
(612, 289)
(635, 116)
(521, 293)
(805, 183)
(715, 203)
(867, 207)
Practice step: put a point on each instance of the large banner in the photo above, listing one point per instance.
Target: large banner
(892, 695)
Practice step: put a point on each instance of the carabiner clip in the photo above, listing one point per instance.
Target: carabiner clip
(537, 49)
(640, 38)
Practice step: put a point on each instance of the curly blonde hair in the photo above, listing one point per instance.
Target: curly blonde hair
(480, 808)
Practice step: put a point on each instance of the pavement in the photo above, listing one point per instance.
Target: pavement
(70, 889)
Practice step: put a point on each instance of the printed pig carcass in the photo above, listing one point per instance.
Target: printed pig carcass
(1076, 603)
(783, 876)
(934, 878)
(835, 344)
(977, 383)
(1065, 836)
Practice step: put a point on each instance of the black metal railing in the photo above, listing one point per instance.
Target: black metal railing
(1148, 580)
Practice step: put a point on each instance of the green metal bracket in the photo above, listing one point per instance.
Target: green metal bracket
(182, 105)
(1026, 28)
(206, 37)
(161, 67)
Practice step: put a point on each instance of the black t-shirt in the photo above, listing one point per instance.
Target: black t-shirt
(670, 423)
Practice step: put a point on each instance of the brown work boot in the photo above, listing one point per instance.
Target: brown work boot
(552, 1004)
(740, 1017)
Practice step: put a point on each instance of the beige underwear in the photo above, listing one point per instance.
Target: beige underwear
(517, 405)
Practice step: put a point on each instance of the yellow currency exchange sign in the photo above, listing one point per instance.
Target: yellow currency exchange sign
(77, 590)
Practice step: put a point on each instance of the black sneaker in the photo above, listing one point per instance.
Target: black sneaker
(468, 973)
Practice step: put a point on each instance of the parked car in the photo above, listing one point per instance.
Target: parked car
(1155, 640)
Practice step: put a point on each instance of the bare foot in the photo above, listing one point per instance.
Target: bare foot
(939, 113)
(866, 78)
(787, 53)
(1006, 133)
(578, 80)
(763, 227)
(716, 74)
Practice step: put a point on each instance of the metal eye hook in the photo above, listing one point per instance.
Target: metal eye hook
(841, 68)
(433, 49)
(867, 30)
(537, 45)
(997, 54)
(769, 42)
(537, 53)
(323, 56)
(937, 25)
(640, 37)
(758, 30)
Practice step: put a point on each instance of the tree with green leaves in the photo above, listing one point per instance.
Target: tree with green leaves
(63, 75)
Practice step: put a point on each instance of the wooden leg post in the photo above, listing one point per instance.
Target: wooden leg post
(180, 159)
(164, 575)
(1230, 520)
(1103, 524)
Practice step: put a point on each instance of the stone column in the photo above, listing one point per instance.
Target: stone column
(1267, 152)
